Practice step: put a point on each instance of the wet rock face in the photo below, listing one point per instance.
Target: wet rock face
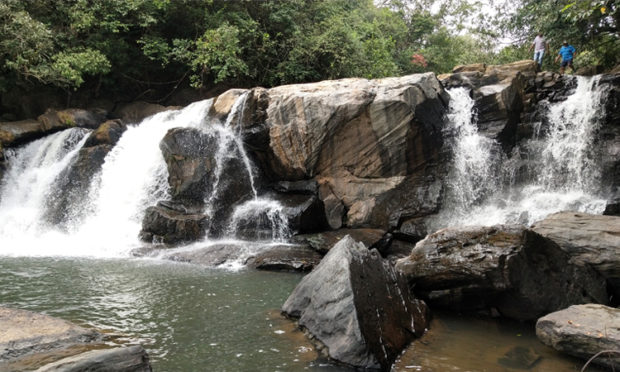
(165, 224)
(589, 240)
(199, 181)
(189, 156)
(358, 307)
(583, 331)
(508, 268)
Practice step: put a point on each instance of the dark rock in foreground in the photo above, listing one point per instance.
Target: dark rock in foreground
(508, 268)
(583, 331)
(588, 239)
(163, 224)
(30, 340)
(358, 307)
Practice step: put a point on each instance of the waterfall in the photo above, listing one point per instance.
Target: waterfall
(132, 178)
(26, 188)
(562, 168)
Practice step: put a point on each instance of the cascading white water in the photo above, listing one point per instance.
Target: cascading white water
(261, 212)
(563, 173)
(132, 178)
(472, 175)
(26, 187)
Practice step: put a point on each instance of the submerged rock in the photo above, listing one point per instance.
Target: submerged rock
(589, 240)
(505, 267)
(583, 331)
(358, 307)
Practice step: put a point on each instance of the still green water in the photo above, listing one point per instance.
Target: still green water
(191, 318)
(188, 318)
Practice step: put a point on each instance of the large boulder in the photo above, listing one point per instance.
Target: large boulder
(507, 268)
(589, 240)
(358, 307)
(358, 138)
(584, 331)
(30, 340)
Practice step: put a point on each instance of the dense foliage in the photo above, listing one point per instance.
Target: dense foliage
(143, 48)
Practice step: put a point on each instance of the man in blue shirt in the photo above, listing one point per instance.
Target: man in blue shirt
(566, 52)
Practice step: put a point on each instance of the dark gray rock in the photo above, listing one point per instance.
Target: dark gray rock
(285, 258)
(417, 196)
(189, 155)
(358, 306)
(322, 242)
(583, 331)
(589, 240)
(310, 187)
(612, 208)
(166, 223)
(123, 359)
(508, 268)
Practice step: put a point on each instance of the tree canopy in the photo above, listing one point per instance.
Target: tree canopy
(133, 46)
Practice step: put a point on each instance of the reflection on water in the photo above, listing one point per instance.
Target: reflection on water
(472, 344)
(188, 318)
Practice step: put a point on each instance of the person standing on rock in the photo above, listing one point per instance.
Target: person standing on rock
(567, 52)
(540, 46)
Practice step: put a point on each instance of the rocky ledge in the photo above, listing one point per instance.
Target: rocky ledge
(30, 340)
(505, 268)
(584, 331)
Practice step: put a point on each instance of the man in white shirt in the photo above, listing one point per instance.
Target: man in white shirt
(540, 46)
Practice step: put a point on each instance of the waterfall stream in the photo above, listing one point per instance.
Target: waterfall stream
(559, 167)
(132, 178)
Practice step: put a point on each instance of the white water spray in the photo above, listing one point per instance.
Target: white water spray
(564, 173)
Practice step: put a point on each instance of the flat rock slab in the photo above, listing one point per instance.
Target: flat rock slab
(124, 359)
(25, 332)
(583, 331)
(31, 341)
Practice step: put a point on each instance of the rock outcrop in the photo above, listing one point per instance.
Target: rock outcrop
(584, 331)
(358, 307)
(30, 340)
(358, 138)
(508, 268)
(589, 240)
